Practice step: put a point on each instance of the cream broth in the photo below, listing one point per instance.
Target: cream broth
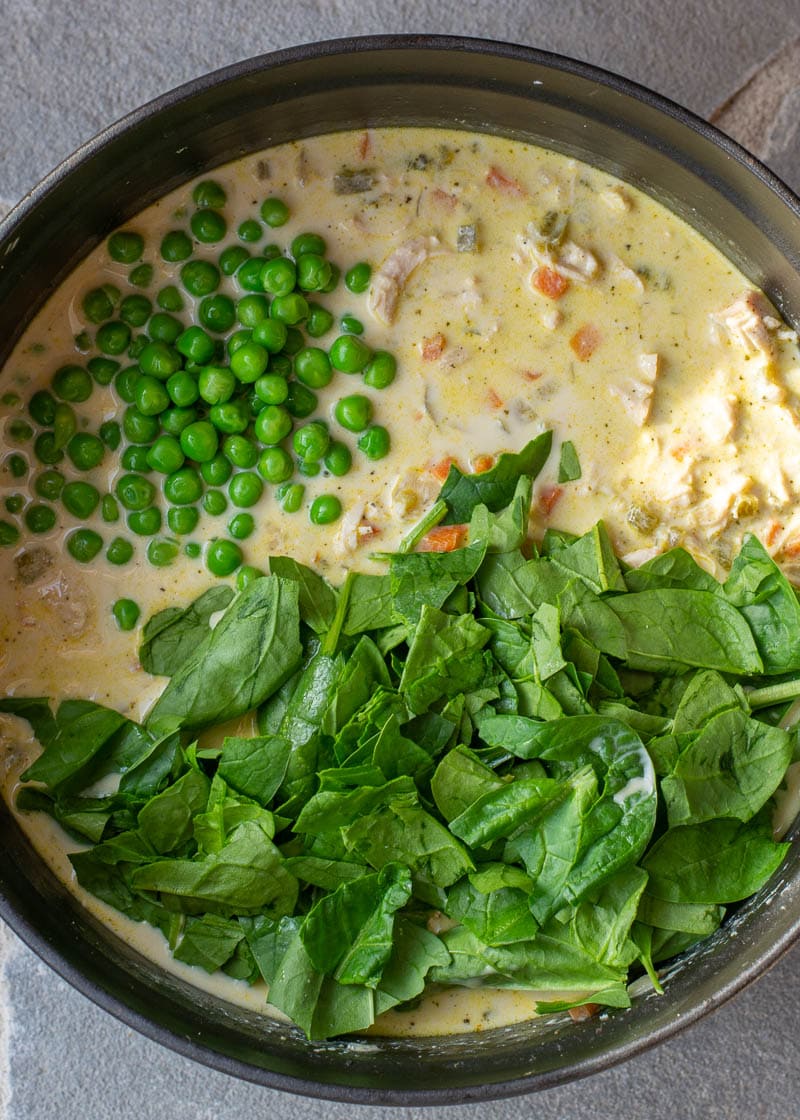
(624, 331)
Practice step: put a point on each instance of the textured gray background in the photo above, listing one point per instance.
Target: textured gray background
(66, 70)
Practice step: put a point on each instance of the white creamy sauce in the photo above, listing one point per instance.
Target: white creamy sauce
(632, 337)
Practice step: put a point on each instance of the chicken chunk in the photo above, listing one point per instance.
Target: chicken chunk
(749, 322)
(390, 279)
(567, 258)
(636, 393)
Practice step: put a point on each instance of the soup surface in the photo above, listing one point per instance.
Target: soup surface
(519, 291)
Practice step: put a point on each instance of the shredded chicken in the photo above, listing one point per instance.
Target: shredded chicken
(636, 393)
(390, 279)
(748, 322)
(412, 490)
(565, 257)
(625, 272)
(617, 198)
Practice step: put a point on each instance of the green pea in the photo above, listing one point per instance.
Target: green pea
(134, 458)
(214, 502)
(232, 259)
(73, 384)
(83, 545)
(109, 509)
(250, 230)
(176, 246)
(325, 509)
(14, 503)
(311, 441)
(103, 370)
(9, 533)
(80, 499)
(354, 412)
(240, 451)
(270, 334)
(146, 522)
(380, 370)
(182, 519)
(352, 325)
(166, 329)
(151, 398)
(17, 465)
(313, 272)
(252, 309)
(39, 518)
(248, 273)
(274, 212)
(192, 549)
(269, 252)
(230, 417)
(338, 458)
(126, 613)
(208, 226)
(349, 354)
(291, 497)
(375, 442)
(280, 364)
(137, 346)
(134, 492)
(357, 278)
(312, 367)
(272, 389)
(209, 193)
(160, 360)
(309, 467)
(245, 489)
(319, 320)
(120, 551)
(289, 309)
(279, 276)
(273, 424)
(110, 434)
(195, 345)
(183, 487)
(125, 246)
(301, 402)
(161, 553)
(86, 451)
(200, 278)
(245, 576)
(241, 526)
(125, 383)
(216, 384)
(83, 341)
(237, 340)
(217, 471)
(49, 484)
(165, 456)
(336, 273)
(42, 407)
(170, 299)
(20, 431)
(97, 306)
(45, 449)
(217, 313)
(249, 361)
(223, 557)
(140, 427)
(141, 276)
(113, 337)
(182, 389)
(275, 465)
(200, 441)
(174, 420)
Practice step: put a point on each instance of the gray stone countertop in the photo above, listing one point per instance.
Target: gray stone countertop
(68, 70)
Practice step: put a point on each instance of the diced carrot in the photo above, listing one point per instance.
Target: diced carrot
(585, 341)
(773, 529)
(444, 538)
(791, 549)
(433, 348)
(366, 531)
(496, 179)
(364, 145)
(585, 1011)
(548, 497)
(549, 282)
(482, 463)
(532, 374)
(495, 400)
(441, 469)
(448, 201)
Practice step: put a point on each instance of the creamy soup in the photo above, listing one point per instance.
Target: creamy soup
(519, 291)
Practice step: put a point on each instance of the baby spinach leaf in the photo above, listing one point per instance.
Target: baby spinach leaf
(171, 636)
(546, 642)
(761, 591)
(461, 779)
(269, 939)
(36, 710)
(501, 811)
(208, 942)
(493, 905)
(326, 873)
(592, 558)
(316, 598)
(444, 658)
(673, 569)
(686, 917)
(369, 606)
(415, 952)
(255, 767)
(420, 578)
(252, 650)
(493, 488)
(166, 820)
(78, 731)
(670, 629)
(507, 530)
(569, 467)
(512, 587)
(707, 694)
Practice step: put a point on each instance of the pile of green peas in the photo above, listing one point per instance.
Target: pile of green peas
(213, 412)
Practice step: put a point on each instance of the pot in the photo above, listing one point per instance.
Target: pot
(526, 95)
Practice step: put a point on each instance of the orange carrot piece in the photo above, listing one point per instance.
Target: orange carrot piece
(441, 469)
(532, 374)
(433, 348)
(773, 530)
(585, 341)
(548, 498)
(448, 201)
(791, 550)
(443, 538)
(496, 179)
(364, 145)
(585, 1011)
(482, 463)
(495, 400)
(549, 282)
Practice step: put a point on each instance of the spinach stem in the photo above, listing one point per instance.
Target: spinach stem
(429, 521)
(773, 694)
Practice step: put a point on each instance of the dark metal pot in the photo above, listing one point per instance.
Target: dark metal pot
(482, 86)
